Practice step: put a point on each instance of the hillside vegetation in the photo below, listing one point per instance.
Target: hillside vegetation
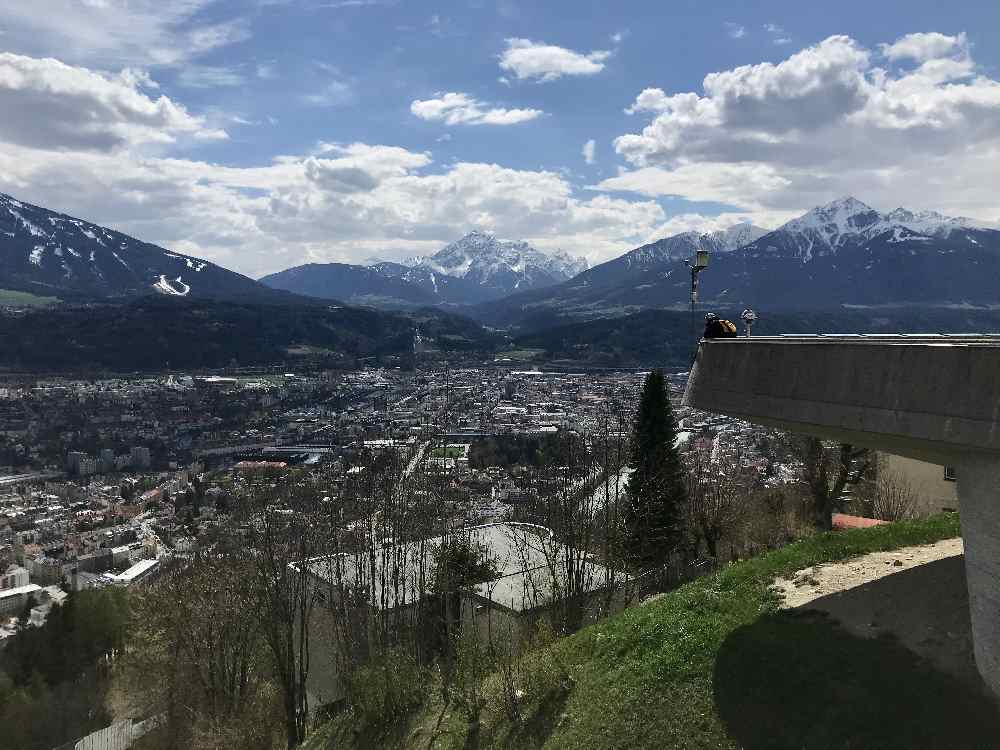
(716, 664)
(658, 337)
(151, 333)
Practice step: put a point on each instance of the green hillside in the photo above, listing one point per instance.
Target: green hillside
(715, 664)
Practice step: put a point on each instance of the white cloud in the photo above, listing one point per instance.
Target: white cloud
(694, 222)
(210, 76)
(343, 203)
(724, 183)
(777, 33)
(116, 33)
(461, 109)
(826, 122)
(924, 46)
(53, 105)
(332, 94)
(526, 59)
(650, 100)
(735, 31)
(588, 151)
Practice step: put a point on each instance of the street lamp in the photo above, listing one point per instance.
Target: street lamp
(699, 264)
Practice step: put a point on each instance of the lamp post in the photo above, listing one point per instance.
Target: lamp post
(699, 264)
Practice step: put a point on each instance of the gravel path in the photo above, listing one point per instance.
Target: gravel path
(917, 594)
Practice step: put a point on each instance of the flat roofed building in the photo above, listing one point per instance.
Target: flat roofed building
(138, 572)
(13, 600)
(530, 569)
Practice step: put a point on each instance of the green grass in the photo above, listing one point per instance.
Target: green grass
(715, 664)
(448, 451)
(11, 298)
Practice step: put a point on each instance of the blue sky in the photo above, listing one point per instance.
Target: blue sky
(265, 134)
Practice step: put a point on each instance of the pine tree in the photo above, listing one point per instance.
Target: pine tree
(656, 488)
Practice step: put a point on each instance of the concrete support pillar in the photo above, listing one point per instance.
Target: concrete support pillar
(979, 496)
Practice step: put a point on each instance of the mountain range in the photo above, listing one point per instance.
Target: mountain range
(844, 253)
(477, 268)
(47, 253)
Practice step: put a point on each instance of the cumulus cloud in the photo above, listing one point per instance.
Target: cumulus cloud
(924, 46)
(542, 62)
(341, 202)
(461, 109)
(826, 121)
(48, 103)
(588, 151)
(735, 31)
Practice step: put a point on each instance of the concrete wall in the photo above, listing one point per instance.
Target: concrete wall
(979, 485)
(934, 492)
(935, 400)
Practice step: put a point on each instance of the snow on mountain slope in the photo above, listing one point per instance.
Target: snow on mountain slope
(847, 222)
(932, 223)
(501, 266)
(736, 236)
(842, 253)
(45, 251)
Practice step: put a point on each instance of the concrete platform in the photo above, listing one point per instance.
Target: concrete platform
(931, 397)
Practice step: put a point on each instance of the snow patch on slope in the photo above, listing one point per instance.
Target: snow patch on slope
(487, 260)
(174, 287)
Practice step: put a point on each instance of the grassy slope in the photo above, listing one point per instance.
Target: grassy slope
(11, 298)
(714, 665)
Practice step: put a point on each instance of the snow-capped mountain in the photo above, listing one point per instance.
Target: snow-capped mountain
(736, 236)
(847, 222)
(841, 253)
(932, 223)
(383, 284)
(499, 266)
(52, 254)
(475, 269)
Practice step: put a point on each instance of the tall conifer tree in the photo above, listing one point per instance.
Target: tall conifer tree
(656, 488)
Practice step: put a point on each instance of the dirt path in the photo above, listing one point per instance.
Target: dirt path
(821, 580)
(917, 594)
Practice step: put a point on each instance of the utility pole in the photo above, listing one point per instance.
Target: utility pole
(699, 264)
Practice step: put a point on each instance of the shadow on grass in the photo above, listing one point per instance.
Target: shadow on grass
(534, 730)
(796, 679)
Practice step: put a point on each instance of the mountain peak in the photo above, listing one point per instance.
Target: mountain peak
(499, 264)
(846, 203)
(830, 226)
(44, 250)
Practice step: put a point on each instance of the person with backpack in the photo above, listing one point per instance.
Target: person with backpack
(718, 328)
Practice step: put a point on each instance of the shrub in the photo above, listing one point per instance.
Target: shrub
(386, 688)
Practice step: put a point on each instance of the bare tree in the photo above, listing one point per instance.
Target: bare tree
(893, 498)
(582, 511)
(718, 496)
(827, 473)
(285, 534)
(198, 660)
